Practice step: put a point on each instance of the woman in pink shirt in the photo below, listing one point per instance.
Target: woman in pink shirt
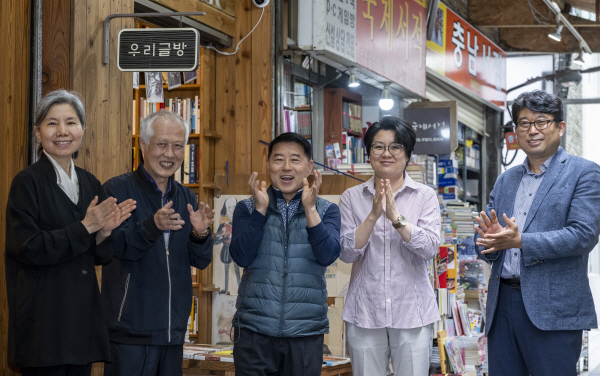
(390, 232)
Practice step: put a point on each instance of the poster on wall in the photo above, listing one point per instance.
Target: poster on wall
(390, 40)
(227, 274)
(461, 53)
(222, 316)
(337, 275)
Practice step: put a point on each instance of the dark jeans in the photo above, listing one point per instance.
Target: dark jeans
(256, 354)
(62, 370)
(144, 360)
(516, 347)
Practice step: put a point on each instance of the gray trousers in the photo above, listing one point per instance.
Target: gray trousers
(371, 350)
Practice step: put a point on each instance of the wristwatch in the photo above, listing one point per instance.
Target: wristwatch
(401, 222)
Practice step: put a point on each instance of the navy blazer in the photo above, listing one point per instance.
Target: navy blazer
(560, 231)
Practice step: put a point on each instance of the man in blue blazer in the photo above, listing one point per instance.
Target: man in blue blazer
(542, 221)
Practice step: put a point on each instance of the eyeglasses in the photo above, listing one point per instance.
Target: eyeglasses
(539, 124)
(394, 149)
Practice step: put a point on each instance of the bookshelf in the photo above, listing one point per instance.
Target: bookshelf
(340, 119)
(296, 100)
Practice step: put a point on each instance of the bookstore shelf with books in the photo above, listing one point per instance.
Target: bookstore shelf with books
(459, 277)
(343, 130)
(296, 102)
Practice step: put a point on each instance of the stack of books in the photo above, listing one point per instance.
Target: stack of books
(417, 172)
(216, 353)
(450, 185)
(461, 217)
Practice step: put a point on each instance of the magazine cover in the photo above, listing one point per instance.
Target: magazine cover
(154, 87)
(453, 354)
(173, 80)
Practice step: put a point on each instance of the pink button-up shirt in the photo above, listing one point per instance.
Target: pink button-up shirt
(389, 284)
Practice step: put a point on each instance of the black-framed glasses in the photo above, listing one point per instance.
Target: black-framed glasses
(394, 148)
(540, 124)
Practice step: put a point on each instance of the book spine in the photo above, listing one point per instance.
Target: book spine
(192, 167)
(197, 122)
(193, 121)
(186, 165)
(213, 358)
(197, 167)
(188, 114)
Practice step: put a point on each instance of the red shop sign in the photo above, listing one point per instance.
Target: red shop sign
(390, 40)
(460, 52)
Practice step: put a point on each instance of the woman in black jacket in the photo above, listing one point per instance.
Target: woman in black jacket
(57, 229)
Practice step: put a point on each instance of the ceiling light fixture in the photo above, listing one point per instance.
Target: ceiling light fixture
(562, 20)
(556, 34)
(386, 102)
(353, 81)
(579, 59)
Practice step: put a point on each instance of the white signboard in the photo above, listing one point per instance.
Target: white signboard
(333, 27)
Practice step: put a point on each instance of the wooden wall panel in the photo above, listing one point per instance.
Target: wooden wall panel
(207, 122)
(243, 87)
(14, 112)
(261, 88)
(225, 112)
(243, 112)
(107, 92)
(56, 54)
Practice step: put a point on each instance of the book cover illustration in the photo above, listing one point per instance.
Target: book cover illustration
(451, 268)
(441, 270)
(453, 354)
(468, 272)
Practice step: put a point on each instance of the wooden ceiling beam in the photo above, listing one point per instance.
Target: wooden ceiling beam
(510, 14)
(536, 40)
(576, 25)
(507, 12)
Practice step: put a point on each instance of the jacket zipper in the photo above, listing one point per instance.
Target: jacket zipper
(285, 260)
(169, 275)
(124, 297)
(169, 278)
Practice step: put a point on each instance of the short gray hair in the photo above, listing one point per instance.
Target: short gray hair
(147, 125)
(59, 97)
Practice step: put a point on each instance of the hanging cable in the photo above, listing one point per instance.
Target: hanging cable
(210, 46)
(535, 13)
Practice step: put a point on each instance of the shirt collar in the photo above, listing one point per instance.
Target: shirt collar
(544, 166)
(279, 195)
(153, 182)
(369, 185)
(60, 173)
